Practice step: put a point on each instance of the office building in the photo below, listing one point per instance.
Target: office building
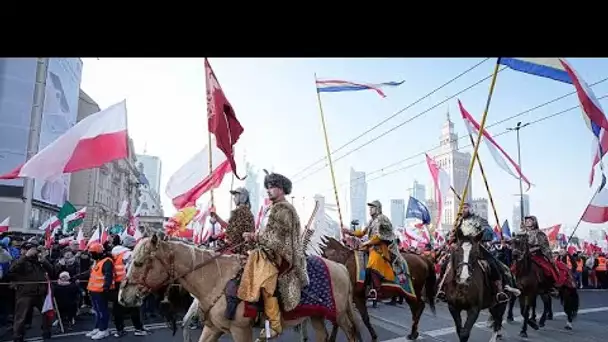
(358, 197)
(418, 191)
(398, 212)
(152, 168)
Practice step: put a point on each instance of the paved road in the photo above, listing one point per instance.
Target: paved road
(392, 324)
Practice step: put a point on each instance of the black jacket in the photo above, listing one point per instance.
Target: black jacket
(30, 269)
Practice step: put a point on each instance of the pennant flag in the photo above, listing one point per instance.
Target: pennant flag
(501, 157)
(559, 69)
(5, 225)
(97, 139)
(193, 179)
(221, 118)
(441, 184)
(338, 86)
(416, 209)
(47, 308)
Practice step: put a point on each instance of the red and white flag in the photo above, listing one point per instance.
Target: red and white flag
(441, 183)
(52, 223)
(193, 179)
(597, 210)
(82, 242)
(221, 118)
(263, 208)
(552, 232)
(97, 139)
(78, 215)
(5, 225)
(48, 309)
(501, 157)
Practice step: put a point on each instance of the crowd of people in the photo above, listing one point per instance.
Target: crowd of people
(84, 286)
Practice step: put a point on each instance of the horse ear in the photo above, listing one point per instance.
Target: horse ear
(154, 240)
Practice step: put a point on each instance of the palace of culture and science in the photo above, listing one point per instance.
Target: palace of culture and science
(456, 164)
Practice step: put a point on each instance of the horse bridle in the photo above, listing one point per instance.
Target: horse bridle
(170, 267)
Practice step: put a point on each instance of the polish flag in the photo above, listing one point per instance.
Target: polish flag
(193, 179)
(501, 157)
(47, 308)
(78, 215)
(552, 232)
(98, 139)
(82, 243)
(51, 223)
(597, 210)
(5, 225)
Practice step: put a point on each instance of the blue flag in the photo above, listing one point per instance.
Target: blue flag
(416, 209)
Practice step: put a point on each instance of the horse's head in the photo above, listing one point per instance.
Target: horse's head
(519, 246)
(464, 260)
(334, 250)
(152, 267)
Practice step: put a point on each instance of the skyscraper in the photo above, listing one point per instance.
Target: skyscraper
(398, 212)
(525, 199)
(252, 185)
(418, 191)
(456, 164)
(152, 167)
(358, 196)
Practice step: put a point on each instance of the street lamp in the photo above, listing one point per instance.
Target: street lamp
(521, 188)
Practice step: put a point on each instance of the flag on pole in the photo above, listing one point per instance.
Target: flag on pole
(47, 308)
(82, 243)
(5, 225)
(501, 157)
(221, 118)
(262, 212)
(193, 179)
(338, 86)
(597, 209)
(97, 139)
(559, 69)
(416, 209)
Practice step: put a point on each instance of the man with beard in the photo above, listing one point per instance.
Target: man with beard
(241, 221)
(32, 271)
(277, 260)
(472, 225)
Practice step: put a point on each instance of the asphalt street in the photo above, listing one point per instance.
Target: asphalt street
(392, 323)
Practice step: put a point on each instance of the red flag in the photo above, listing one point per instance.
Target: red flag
(221, 119)
(48, 309)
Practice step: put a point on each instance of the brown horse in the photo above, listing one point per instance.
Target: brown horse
(467, 288)
(205, 274)
(421, 271)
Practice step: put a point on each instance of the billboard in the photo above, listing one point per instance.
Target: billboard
(17, 79)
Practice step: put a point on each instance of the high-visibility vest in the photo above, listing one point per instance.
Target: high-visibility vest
(97, 279)
(601, 264)
(119, 268)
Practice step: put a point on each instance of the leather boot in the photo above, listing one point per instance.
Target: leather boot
(501, 296)
(272, 312)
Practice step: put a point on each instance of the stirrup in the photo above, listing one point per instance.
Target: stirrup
(504, 300)
(372, 294)
(273, 335)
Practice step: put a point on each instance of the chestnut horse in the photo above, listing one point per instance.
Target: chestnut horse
(422, 273)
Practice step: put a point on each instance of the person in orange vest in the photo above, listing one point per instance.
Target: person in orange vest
(101, 283)
(122, 258)
(601, 271)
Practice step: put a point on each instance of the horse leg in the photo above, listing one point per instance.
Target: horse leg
(320, 332)
(334, 333)
(457, 319)
(472, 315)
(303, 329)
(511, 305)
(533, 309)
(532, 321)
(496, 313)
(550, 309)
(524, 307)
(211, 334)
(546, 307)
(416, 308)
(361, 304)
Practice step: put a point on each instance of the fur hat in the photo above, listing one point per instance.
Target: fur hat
(278, 181)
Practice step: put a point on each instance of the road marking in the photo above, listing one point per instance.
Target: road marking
(452, 330)
(154, 326)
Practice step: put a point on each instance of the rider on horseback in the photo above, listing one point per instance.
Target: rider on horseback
(479, 226)
(539, 245)
(278, 260)
(241, 221)
(380, 246)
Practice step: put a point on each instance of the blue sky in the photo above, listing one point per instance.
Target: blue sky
(275, 100)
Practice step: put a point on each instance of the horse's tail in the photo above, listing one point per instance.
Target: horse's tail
(571, 301)
(430, 284)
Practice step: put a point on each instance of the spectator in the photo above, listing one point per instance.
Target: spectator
(67, 295)
(32, 267)
(5, 292)
(101, 282)
(68, 263)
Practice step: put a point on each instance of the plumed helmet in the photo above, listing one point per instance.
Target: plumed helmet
(278, 181)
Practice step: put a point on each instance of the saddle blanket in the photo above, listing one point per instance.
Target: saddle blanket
(401, 286)
(549, 271)
(317, 299)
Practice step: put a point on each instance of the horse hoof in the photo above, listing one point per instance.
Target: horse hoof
(499, 336)
(550, 317)
(510, 319)
(541, 324)
(412, 336)
(533, 325)
(523, 334)
(568, 326)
